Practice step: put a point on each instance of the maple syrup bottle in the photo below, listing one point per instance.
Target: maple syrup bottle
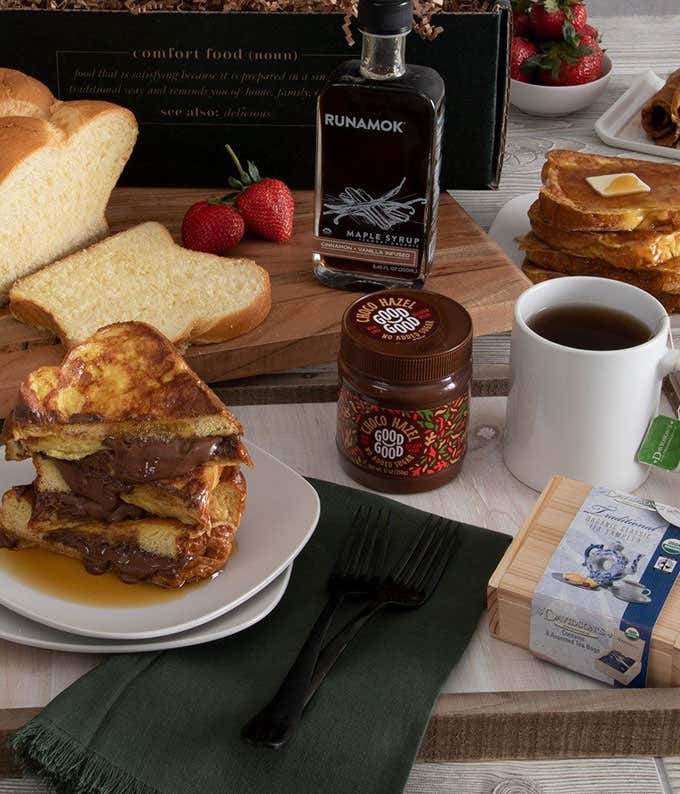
(378, 149)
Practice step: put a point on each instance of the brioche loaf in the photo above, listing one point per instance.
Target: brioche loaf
(142, 274)
(59, 162)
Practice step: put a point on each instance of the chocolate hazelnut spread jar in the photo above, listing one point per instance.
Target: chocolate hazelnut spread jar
(405, 369)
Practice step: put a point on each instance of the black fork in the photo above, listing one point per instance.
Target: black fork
(357, 572)
(408, 585)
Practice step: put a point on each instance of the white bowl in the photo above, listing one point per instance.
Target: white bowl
(558, 100)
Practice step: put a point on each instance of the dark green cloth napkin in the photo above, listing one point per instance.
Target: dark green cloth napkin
(170, 721)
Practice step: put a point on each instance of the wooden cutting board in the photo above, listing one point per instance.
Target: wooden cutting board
(304, 325)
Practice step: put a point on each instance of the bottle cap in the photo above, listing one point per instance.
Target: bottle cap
(406, 336)
(385, 17)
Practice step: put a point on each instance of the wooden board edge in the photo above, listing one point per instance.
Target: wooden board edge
(487, 726)
(549, 725)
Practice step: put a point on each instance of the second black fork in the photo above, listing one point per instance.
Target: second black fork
(357, 572)
(407, 586)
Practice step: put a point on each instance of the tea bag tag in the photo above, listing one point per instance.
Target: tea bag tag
(661, 444)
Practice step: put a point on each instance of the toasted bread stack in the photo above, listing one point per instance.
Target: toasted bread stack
(633, 238)
(138, 462)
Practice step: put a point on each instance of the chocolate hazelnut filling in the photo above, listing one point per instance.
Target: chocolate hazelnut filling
(130, 564)
(197, 557)
(136, 461)
(72, 505)
(97, 481)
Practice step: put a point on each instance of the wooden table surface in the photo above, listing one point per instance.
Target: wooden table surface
(485, 494)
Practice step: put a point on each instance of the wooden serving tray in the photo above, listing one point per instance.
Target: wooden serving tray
(514, 581)
(304, 325)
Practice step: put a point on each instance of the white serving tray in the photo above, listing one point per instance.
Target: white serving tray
(620, 126)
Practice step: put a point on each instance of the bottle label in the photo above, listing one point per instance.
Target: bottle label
(376, 195)
(401, 443)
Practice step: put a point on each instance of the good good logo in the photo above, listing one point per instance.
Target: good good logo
(389, 444)
(396, 321)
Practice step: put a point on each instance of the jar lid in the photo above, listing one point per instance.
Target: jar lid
(406, 336)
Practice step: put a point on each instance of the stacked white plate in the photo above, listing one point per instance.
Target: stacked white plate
(281, 515)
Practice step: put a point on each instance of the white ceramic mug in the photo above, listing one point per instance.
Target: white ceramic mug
(584, 413)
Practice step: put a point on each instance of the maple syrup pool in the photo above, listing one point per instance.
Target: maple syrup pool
(66, 578)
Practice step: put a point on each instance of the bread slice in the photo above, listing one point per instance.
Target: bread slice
(163, 551)
(537, 273)
(662, 278)
(142, 274)
(630, 250)
(568, 201)
(59, 162)
(209, 493)
(126, 387)
(197, 503)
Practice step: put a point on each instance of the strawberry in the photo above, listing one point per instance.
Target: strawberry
(548, 17)
(212, 226)
(574, 61)
(521, 51)
(520, 17)
(267, 205)
(594, 33)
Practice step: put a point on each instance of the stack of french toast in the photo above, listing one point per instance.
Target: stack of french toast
(604, 216)
(137, 461)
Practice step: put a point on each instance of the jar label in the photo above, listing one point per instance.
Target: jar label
(395, 317)
(402, 443)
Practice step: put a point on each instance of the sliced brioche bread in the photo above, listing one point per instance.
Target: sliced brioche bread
(142, 274)
(568, 201)
(59, 162)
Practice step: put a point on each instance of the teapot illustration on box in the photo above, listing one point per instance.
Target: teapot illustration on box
(607, 564)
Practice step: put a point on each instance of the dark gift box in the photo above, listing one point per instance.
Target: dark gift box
(197, 80)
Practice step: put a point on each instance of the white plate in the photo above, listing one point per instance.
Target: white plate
(282, 513)
(23, 631)
(513, 221)
(620, 126)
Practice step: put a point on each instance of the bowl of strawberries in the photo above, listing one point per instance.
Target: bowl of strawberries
(557, 64)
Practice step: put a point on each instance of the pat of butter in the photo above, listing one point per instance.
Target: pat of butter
(617, 184)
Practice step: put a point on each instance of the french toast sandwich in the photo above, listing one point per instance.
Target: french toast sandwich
(138, 462)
